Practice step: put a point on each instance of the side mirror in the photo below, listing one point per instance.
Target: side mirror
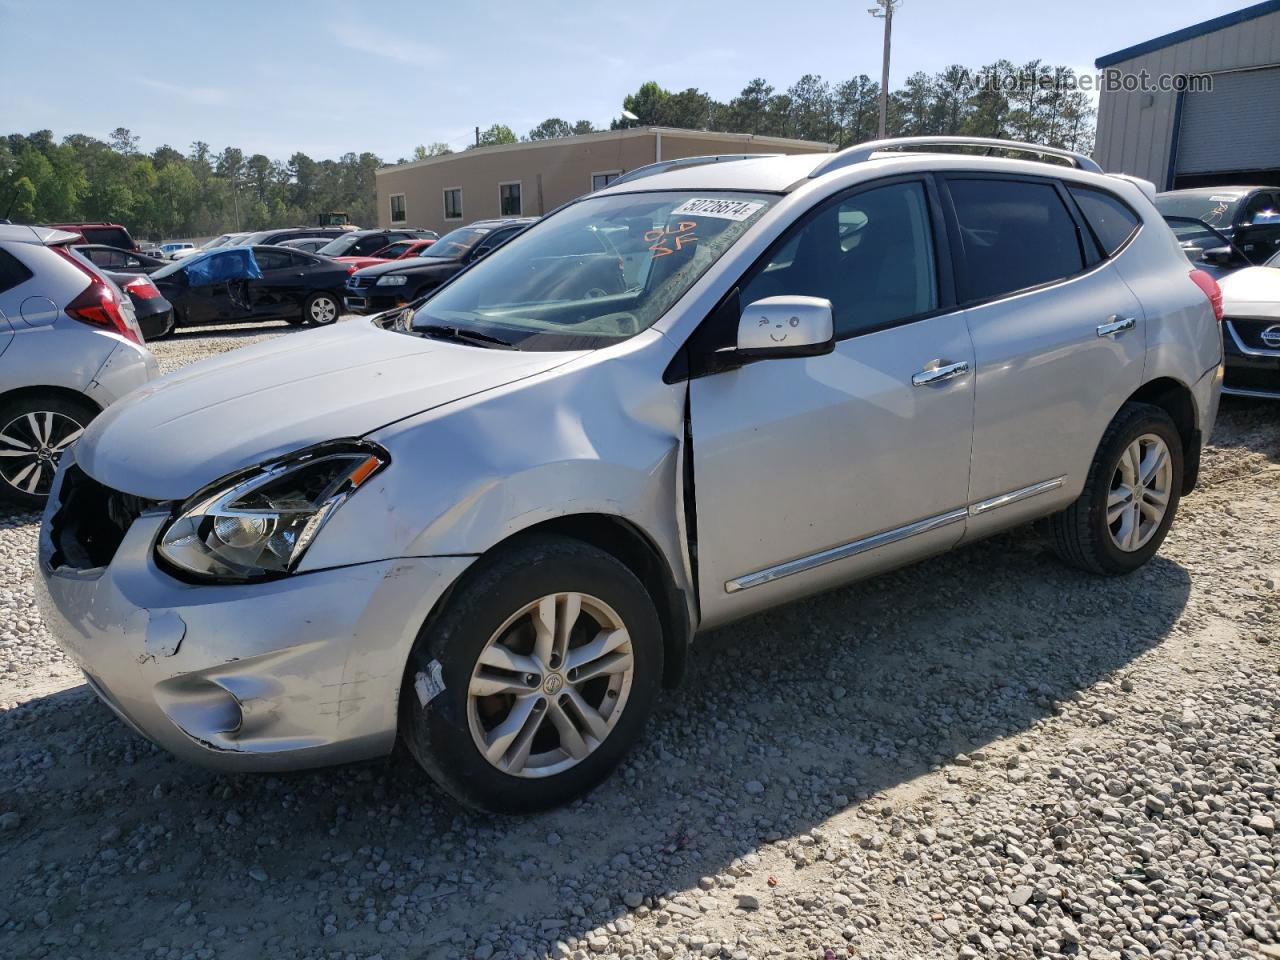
(786, 327)
(1219, 256)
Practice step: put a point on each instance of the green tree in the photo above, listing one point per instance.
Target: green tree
(421, 152)
(550, 129)
(496, 134)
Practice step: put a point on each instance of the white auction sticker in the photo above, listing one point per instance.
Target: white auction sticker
(722, 209)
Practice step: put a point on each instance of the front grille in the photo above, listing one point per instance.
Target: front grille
(1257, 334)
(90, 521)
(360, 283)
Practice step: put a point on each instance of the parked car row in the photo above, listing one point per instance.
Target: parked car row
(1233, 233)
(495, 519)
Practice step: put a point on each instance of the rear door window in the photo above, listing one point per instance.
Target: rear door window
(1014, 234)
(1109, 217)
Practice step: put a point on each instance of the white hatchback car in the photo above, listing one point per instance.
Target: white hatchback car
(491, 522)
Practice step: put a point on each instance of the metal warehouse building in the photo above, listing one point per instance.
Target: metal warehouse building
(530, 179)
(1230, 135)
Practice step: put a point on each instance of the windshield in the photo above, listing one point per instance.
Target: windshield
(597, 272)
(456, 243)
(338, 246)
(1215, 209)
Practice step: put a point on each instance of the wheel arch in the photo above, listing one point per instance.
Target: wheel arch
(1176, 399)
(67, 393)
(632, 547)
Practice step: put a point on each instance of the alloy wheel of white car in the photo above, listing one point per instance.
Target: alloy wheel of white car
(550, 685)
(30, 446)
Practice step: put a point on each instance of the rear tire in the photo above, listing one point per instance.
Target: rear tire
(535, 723)
(45, 425)
(321, 309)
(1130, 496)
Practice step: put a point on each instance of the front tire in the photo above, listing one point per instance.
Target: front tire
(321, 309)
(1130, 496)
(35, 430)
(536, 679)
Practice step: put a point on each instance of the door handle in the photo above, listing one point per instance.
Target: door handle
(1116, 325)
(939, 371)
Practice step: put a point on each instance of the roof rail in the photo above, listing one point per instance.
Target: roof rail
(662, 166)
(863, 151)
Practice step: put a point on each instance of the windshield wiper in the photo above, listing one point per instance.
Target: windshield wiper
(443, 331)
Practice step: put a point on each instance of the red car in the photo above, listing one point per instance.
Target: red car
(400, 250)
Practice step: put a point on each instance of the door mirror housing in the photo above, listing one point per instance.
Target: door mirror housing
(786, 327)
(1219, 256)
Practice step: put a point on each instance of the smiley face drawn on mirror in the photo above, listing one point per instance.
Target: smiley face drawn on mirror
(779, 332)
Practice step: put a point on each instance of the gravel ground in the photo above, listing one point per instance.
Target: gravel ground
(985, 755)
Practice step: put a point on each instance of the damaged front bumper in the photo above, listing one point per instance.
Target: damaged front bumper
(298, 672)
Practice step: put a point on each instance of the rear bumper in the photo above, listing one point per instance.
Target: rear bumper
(126, 368)
(298, 672)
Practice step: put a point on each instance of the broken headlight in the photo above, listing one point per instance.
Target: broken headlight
(258, 523)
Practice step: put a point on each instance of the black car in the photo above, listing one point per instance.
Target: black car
(361, 243)
(239, 284)
(119, 259)
(272, 237)
(1244, 215)
(154, 313)
(387, 285)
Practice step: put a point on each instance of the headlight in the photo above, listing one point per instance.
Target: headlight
(257, 523)
(393, 280)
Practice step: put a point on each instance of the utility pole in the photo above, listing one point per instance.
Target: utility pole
(884, 11)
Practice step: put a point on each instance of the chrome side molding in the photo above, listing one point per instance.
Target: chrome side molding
(1013, 496)
(855, 547)
(842, 552)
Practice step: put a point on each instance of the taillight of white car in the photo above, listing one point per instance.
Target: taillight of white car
(99, 304)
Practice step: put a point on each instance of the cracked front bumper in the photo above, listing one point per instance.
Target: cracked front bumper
(298, 672)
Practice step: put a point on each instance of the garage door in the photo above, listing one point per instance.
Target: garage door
(1235, 127)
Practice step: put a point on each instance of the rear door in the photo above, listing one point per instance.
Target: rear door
(1058, 337)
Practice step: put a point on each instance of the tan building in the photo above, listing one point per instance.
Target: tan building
(1186, 136)
(530, 179)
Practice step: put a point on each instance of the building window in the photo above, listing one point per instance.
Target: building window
(453, 203)
(601, 180)
(398, 213)
(509, 199)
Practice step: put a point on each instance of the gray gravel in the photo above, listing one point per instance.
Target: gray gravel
(985, 755)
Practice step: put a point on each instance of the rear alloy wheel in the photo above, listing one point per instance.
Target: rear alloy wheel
(34, 433)
(1130, 495)
(536, 678)
(321, 309)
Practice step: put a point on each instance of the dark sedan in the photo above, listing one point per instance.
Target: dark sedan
(242, 284)
(153, 312)
(387, 285)
(119, 259)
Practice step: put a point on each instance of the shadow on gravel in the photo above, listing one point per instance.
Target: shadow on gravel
(817, 706)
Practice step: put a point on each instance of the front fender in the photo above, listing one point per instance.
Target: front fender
(596, 437)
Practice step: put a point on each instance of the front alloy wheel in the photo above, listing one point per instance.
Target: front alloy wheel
(535, 679)
(550, 685)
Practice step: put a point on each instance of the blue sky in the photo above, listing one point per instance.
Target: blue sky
(275, 76)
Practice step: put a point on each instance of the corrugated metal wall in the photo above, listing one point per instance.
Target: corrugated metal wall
(1135, 137)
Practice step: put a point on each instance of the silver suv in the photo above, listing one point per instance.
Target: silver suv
(69, 346)
(492, 521)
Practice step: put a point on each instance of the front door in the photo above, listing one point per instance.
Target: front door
(812, 471)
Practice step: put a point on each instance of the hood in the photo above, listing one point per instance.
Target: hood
(414, 265)
(166, 440)
(1251, 292)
